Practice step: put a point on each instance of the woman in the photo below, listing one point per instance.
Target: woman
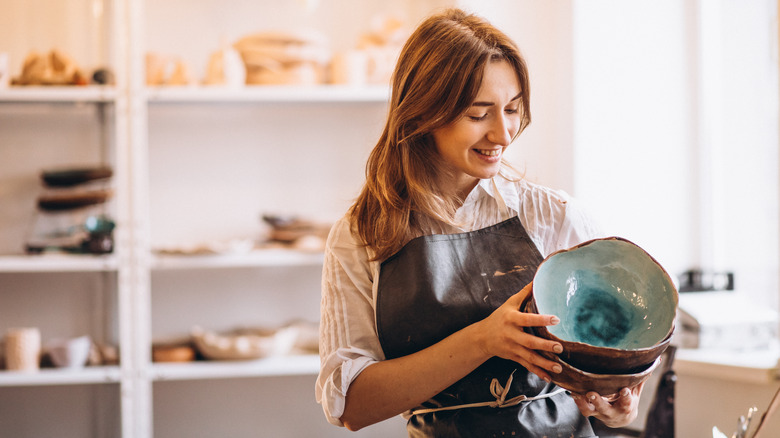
(424, 276)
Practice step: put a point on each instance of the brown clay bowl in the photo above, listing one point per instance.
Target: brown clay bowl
(602, 360)
(606, 385)
(616, 304)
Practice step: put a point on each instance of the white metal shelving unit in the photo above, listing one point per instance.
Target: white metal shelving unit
(139, 128)
(48, 377)
(268, 94)
(282, 284)
(64, 94)
(69, 295)
(267, 367)
(57, 263)
(258, 258)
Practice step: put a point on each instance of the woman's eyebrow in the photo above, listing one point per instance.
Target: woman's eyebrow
(481, 103)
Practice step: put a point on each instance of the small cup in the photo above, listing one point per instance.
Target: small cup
(69, 353)
(23, 349)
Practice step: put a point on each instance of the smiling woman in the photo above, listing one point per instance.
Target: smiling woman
(425, 276)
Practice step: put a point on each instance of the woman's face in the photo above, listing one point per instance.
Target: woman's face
(472, 145)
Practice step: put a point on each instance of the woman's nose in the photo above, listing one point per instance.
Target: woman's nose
(501, 131)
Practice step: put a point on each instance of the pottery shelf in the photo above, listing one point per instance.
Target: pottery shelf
(268, 94)
(58, 263)
(194, 94)
(62, 94)
(259, 258)
(62, 376)
(297, 365)
(190, 162)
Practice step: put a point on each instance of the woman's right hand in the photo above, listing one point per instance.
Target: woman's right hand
(503, 334)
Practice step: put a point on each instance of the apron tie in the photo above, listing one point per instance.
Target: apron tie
(499, 392)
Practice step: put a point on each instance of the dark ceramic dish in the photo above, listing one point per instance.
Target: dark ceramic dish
(606, 385)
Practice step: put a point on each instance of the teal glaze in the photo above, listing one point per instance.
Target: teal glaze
(607, 293)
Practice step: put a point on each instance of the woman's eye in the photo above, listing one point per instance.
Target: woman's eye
(477, 118)
(512, 110)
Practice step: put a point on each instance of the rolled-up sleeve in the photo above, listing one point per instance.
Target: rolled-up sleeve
(348, 338)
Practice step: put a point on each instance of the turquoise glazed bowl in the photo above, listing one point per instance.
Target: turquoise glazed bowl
(616, 304)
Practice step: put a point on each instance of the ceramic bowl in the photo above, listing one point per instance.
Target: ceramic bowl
(617, 305)
(602, 359)
(606, 385)
(70, 353)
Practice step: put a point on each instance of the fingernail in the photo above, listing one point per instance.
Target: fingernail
(592, 397)
(624, 392)
(558, 348)
(546, 379)
(554, 320)
(557, 368)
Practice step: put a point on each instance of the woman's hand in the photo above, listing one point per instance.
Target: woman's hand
(615, 412)
(503, 334)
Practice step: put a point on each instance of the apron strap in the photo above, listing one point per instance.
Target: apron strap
(499, 393)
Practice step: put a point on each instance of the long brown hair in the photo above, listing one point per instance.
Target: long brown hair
(436, 79)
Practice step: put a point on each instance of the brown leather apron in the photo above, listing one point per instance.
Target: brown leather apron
(439, 284)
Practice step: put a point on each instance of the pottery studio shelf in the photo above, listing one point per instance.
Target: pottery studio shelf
(63, 94)
(258, 258)
(61, 376)
(58, 263)
(296, 365)
(268, 93)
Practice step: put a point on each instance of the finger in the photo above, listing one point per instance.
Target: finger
(535, 362)
(623, 401)
(523, 319)
(527, 341)
(587, 409)
(600, 404)
(603, 406)
(544, 375)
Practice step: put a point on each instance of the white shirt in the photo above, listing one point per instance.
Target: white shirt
(348, 335)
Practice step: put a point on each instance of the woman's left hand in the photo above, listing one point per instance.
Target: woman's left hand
(613, 412)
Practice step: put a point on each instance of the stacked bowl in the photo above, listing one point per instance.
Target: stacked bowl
(617, 307)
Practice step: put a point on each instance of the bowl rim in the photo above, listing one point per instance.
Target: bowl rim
(589, 377)
(580, 381)
(676, 295)
(650, 368)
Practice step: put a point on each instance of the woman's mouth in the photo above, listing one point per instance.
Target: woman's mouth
(489, 152)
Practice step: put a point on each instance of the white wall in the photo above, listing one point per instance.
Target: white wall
(634, 123)
(676, 127)
(739, 142)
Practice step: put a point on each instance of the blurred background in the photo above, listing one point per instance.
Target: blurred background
(168, 171)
